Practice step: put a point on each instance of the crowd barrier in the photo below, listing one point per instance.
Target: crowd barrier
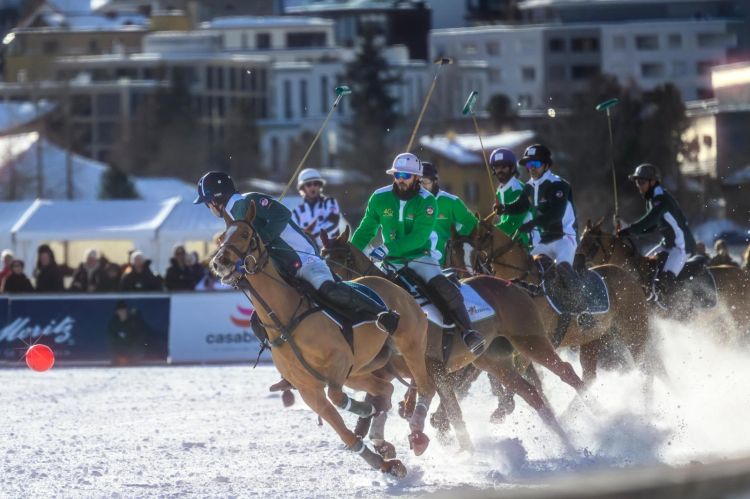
(190, 327)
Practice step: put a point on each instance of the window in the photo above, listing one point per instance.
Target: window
(493, 48)
(679, 69)
(303, 98)
(528, 73)
(708, 141)
(107, 105)
(81, 105)
(557, 72)
(94, 46)
(494, 75)
(323, 94)
(287, 99)
(647, 42)
(263, 40)
(220, 78)
(469, 48)
(652, 70)
(584, 71)
(243, 41)
(557, 45)
(674, 41)
(711, 40)
(704, 67)
(618, 42)
(304, 40)
(232, 78)
(588, 44)
(209, 77)
(524, 100)
(275, 154)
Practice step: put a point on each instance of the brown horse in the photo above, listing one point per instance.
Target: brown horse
(495, 252)
(310, 351)
(514, 319)
(732, 284)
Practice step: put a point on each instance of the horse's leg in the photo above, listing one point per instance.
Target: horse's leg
(502, 367)
(453, 409)
(413, 353)
(589, 356)
(462, 381)
(505, 403)
(316, 399)
(379, 393)
(540, 350)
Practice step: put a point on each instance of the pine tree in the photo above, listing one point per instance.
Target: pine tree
(372, 103)
(117, 185)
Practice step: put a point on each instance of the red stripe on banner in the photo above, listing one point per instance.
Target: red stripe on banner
(240, 322)
(245, 311)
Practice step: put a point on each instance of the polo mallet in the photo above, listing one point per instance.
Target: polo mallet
(440, 62)
(340, 93)
(606, 106)
(468, 110)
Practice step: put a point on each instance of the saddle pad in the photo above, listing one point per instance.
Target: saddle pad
(594, 291)
(341, 318)
(477, 307)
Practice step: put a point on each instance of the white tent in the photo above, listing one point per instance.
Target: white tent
(11, 213)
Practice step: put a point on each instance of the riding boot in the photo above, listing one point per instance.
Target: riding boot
(453, 300)
(348, 298)
(666, 284)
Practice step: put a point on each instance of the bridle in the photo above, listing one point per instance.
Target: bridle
(349, 262)
(248, 263)
(607, 250)
(486, 261)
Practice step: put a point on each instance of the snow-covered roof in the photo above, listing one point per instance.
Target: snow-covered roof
(188, 222)
(19, 163)
(739, 177)
(93, 21)
(264, 22)
(94, 220)
(465, 149)
(338, 5)
(10, 213)
(534, 4)
(17, 114)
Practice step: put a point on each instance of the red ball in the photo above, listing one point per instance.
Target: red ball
(40, 357)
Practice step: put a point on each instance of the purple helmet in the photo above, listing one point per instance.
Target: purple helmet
(502, 156)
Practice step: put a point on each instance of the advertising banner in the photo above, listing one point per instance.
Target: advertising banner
(85, 328)
(212, 327)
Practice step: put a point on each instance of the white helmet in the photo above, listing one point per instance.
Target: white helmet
(406, 162)
(309, 175)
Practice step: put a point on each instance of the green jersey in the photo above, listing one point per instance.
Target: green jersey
(451, 211)
(407, 225)
(515, 214)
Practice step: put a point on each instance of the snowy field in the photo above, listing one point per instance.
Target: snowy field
(217, 432)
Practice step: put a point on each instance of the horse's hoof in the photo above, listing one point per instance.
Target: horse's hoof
(418, 442)
(362, 427)
(394, 467)
(405, 410)
(287, 397)
(386, 450)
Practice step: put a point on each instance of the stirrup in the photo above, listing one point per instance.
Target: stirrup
(387, 321)
(479, 347)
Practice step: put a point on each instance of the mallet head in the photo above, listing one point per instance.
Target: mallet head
(471, 102)
(343, 90)
(443, 60)
(603, 106)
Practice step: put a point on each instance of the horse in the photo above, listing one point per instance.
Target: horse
(310, 351)
(498, 254)
(514, 318)
(732, 284)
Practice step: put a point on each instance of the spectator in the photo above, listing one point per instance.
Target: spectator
(16, 281)
(49, 278)
(110, 277)
(198, 269)
(746, 259)
(126, 334)
(180, 276)
(700, 253)
(722, 254)
(86, 278)
(7, 258)
(211, 283)
(139, 276)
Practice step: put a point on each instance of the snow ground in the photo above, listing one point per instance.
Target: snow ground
(217, 432)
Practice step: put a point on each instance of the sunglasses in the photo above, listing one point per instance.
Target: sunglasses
(533, 164)
(313, 184)
(402, 176)
(641, 181)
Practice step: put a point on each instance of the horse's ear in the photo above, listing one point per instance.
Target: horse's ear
(250, 213)
(588, 224)
(344, 236)
(454, 232)
(324, 238)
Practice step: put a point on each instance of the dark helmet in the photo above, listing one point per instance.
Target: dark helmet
(502, 156)
(214, 186)
(646, 171)
(536, 152)
(429, 170)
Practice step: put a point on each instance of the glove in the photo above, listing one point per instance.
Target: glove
(379, 253)
(527, 227)
(499, 208)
